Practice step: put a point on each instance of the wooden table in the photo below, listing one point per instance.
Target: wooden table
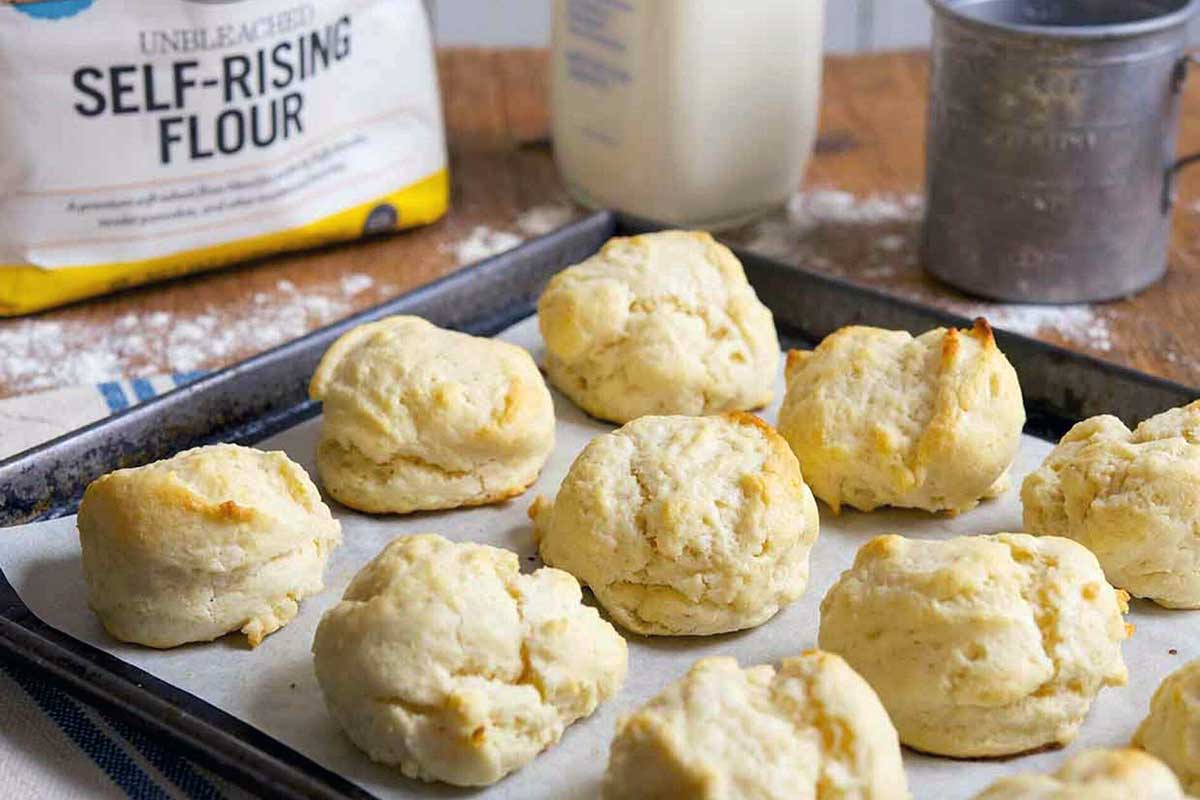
(871, 146)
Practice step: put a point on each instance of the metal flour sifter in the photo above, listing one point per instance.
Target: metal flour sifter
(1052, 145)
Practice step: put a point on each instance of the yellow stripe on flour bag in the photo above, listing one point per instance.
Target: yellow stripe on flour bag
(25, 288)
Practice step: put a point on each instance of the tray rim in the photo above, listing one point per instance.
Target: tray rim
(240, 752)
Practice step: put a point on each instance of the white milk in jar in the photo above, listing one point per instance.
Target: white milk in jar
(693, 112)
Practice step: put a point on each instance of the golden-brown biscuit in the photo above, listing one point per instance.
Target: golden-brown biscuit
(213, 540)
(684, 525)
(979, 645)
(811, 729)
(1094, 775)
(421, 418)
(878, 418)
(1131, 497)
(445, 660)
(1172, 729)
(662, 323)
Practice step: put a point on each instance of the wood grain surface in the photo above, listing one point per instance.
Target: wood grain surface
(871, 147)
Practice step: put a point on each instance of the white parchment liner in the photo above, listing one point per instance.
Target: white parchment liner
(273, 687)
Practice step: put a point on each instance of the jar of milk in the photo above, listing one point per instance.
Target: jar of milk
(693, 112)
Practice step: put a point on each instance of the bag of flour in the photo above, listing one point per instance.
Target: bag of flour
(141, 139)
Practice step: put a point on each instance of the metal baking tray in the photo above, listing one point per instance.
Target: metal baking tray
(268, 393)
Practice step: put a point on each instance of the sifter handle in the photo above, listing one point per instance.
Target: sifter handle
(1171, 184)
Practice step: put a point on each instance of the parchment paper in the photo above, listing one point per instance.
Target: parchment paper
(273, 687)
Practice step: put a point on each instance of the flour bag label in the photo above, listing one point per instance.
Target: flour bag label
(141, 139)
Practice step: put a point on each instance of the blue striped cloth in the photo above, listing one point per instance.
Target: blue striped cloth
(120, 395)
(125, 759)
(122, 753)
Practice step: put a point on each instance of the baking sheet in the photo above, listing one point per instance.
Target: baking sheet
(273, 687)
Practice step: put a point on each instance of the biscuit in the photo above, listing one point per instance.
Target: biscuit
(878, 418)
(662, 323)
(445, 660)
(812, 729)
(1094, 775)
(980, 645)
(684, 525)
(1172, 729)
(1131, 497)
(213, 540)
(419, 418)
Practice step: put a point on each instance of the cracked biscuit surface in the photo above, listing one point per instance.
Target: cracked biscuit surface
(420, 418)
(214, 540)
(878, 418)
(1094, 775)
(662, 323)
(981, 645)
(684, 525)
(1172, 729)
(813, 728)
(443, 659)
(1131, 497)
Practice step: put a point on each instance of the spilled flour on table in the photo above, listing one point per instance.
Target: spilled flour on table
(37, 354)
(356, 284)
(1080, 324)
(782, 235)
(880, 233)
(483, 242)
(833, 206)
(40, 354)
(540, 220)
